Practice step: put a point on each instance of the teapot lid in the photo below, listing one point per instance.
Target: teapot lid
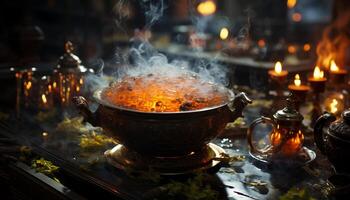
(341, 127)
(289, 113)
(68, 59)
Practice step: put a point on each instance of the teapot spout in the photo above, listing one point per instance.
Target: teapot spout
(237, 105)
(321, 122)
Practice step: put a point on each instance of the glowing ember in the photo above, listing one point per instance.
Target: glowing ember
(297, 80)
(206, 8)
(224, 33)
(153, 93)
(278, 67)
(318, 73)
(334, 106)
(334, 67)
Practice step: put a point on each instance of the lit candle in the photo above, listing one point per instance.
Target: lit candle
(298, 86)
(278, 72)
(337, 75)
(317, 81)
(278, 78)
(298, 90)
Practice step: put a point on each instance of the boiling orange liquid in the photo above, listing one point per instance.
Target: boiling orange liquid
(153, 93)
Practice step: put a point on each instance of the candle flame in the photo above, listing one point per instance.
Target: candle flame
(54, 84)
(297, 80)
(291, 3)
(43, 98)
(206, 8)
(334, 67)
(29, 85)
(333, 106)
(81, 81)
(224, 33)
(278, 67)
(318, 73)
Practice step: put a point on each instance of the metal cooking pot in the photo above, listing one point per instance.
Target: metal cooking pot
(162, 134)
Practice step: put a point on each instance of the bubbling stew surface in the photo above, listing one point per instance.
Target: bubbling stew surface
(153, 93)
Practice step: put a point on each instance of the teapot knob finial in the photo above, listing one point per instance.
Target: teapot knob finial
(346, 116)
(68, 47)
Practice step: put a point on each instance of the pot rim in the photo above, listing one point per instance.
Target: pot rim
(97, 97)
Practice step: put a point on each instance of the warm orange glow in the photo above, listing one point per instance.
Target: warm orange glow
(224, 33)
(206, 8)
(152, 93)
(293, 145)
(297, 17)
(49, 87)
(54, 85)
(307, 47)
(297, 80)
(261, 43)
(292, 49)
(81, 81)
(318, 73)
(291, 3)
(334, 67)
(28, 85)
(334, 106)
(278, 67)
(77, 88)
(275, 138)
(43, 98)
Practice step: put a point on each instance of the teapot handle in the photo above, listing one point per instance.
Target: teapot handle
(250, 134)
(321, 122)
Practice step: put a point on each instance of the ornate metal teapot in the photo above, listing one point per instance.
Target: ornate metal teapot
(332, 137)
(286, 138)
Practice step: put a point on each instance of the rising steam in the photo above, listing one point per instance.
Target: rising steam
(143, 58)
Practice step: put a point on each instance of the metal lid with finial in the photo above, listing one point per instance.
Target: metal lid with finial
(341, 127)
(68, 60)
(289, 113)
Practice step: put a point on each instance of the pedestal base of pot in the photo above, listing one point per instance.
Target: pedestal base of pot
(127, 160)
(303, 157)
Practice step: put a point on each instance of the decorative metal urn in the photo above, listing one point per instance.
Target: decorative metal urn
(332, 137)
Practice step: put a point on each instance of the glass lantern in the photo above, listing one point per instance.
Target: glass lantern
(68, 77)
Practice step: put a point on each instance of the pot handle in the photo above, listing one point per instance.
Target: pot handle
(321, 122)
(82, 105)
(240, 101)
(250, 134)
